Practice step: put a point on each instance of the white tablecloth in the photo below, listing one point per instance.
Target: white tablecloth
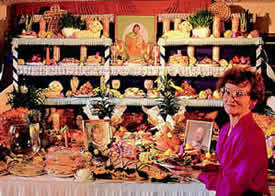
(52, 186)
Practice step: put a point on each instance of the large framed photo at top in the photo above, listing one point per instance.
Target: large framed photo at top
(126, 24)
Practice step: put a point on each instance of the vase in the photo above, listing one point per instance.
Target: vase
(24, 139)
(201, 32)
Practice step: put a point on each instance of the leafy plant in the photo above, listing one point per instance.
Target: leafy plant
(34, 116)
(71, 21)
(167, 104)
(202, 18)
(104, 106)
(29, 99)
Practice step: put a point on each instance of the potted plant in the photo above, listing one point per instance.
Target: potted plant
(69, 24)
(167, 103)
(27, 97)
(104, 106)
(201, 22)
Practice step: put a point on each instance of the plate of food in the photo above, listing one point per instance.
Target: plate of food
(27, 36)
(26, 169)
(34, 63)
(188, 97)
(68, 64)
(166, 165)
(3, 173)
(3, 168)
(64, 163)
(82, 96)
(68, 175)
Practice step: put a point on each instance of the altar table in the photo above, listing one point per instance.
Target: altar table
(52, 186)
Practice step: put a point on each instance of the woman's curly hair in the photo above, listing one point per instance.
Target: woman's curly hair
(238, 75)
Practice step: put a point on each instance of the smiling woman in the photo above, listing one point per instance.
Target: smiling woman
(241, 147)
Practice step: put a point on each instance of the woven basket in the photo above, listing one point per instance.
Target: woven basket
(220, 9)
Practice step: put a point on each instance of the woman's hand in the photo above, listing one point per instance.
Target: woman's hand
(185, 171)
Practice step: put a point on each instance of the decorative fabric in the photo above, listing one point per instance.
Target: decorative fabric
(210, 41)
(62, 41)
(133, 101)
(51, 186)
(139, 70)
(117, 7)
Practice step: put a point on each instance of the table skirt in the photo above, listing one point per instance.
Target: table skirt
(52, 186)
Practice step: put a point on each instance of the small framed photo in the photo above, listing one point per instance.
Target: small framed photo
(97, 132)
(198, 134)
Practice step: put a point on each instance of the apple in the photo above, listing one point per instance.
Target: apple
(38, 59)
(236, 60)
(243, 60)
(210, 97)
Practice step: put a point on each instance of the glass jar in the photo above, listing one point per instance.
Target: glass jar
(24, 139)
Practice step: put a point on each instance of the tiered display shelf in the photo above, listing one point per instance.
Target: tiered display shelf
(131, 70)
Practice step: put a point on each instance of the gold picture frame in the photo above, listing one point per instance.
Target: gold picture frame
(198, 134)
(97, 132)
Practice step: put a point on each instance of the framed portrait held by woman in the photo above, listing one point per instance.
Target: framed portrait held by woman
(198, 134)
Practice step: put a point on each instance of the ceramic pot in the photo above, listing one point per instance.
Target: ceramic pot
(201, 32)
(68, 32)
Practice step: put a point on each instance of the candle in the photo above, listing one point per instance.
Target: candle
(217, 26)
(66, 138)
(56, 53)
(235, 23)
(42, 25)
(216, 53)
(156, 54)
(85, 137)
(166, 25)
(106, 22)
(191, 51)
(48, 60)
(176, 23)
(83, 52)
